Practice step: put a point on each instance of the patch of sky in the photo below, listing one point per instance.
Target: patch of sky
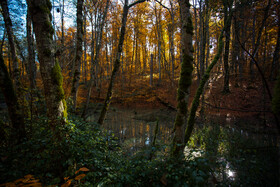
(17, 10)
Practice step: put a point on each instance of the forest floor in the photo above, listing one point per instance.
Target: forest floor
(246, 106)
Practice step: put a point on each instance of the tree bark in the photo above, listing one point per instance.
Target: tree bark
(185, 77)
(31, 52)
(79, 53)
(9, 29)
(11, 100)
(95, 60)
(227, 9)
(195, 102)
(117, 62)
(50, 71)
(151, 70)
(275, 61)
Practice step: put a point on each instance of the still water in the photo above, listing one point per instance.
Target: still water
(136, 128)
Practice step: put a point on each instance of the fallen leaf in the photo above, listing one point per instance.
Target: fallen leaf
(68, 183)
(79, 177)
(84, 169)
(81, 169)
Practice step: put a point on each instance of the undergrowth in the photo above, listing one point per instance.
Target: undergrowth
(88, 155)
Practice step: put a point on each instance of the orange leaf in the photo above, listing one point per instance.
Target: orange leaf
(81, 169)
(65, 178)
(84, 169)
(68, 183)
(79, 177)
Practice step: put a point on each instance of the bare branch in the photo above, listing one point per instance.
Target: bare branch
(135, 3)
(164, 6)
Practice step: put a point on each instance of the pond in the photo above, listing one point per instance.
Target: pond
(243, 149)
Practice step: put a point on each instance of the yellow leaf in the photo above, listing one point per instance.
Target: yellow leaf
(79, 177)
(68, 183)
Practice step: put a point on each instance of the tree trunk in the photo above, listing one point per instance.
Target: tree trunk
(31, 52)
(185, 77)
(50, 71)
(195, 102)
(85, 47)
(11, 100)
(95, 60)
(227, 8)
(117, 61)
(151, 70)
(172, 41)
(275, 61)
(235, 46)
(9, 29)
(79, 53)
(62, 35)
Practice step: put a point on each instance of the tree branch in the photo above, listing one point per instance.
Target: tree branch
(164, 6)
(135, 3)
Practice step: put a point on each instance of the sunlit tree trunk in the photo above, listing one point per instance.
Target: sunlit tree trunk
(95, 60)
(50, 71)
(11, 100)
(151, 70)
(185, 79)
(158, 26)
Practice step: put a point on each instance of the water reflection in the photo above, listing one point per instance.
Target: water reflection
(135, 133)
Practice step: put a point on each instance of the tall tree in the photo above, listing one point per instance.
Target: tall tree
(9, 29)
(50, 70)
(185, 79)
(11, 100)
(31, 52)
(95, 59)
(227, 8)
(199, 91)
(117, 62)
(275, 61)
(78, 53)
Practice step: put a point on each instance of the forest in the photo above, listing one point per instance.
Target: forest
(139, 93)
